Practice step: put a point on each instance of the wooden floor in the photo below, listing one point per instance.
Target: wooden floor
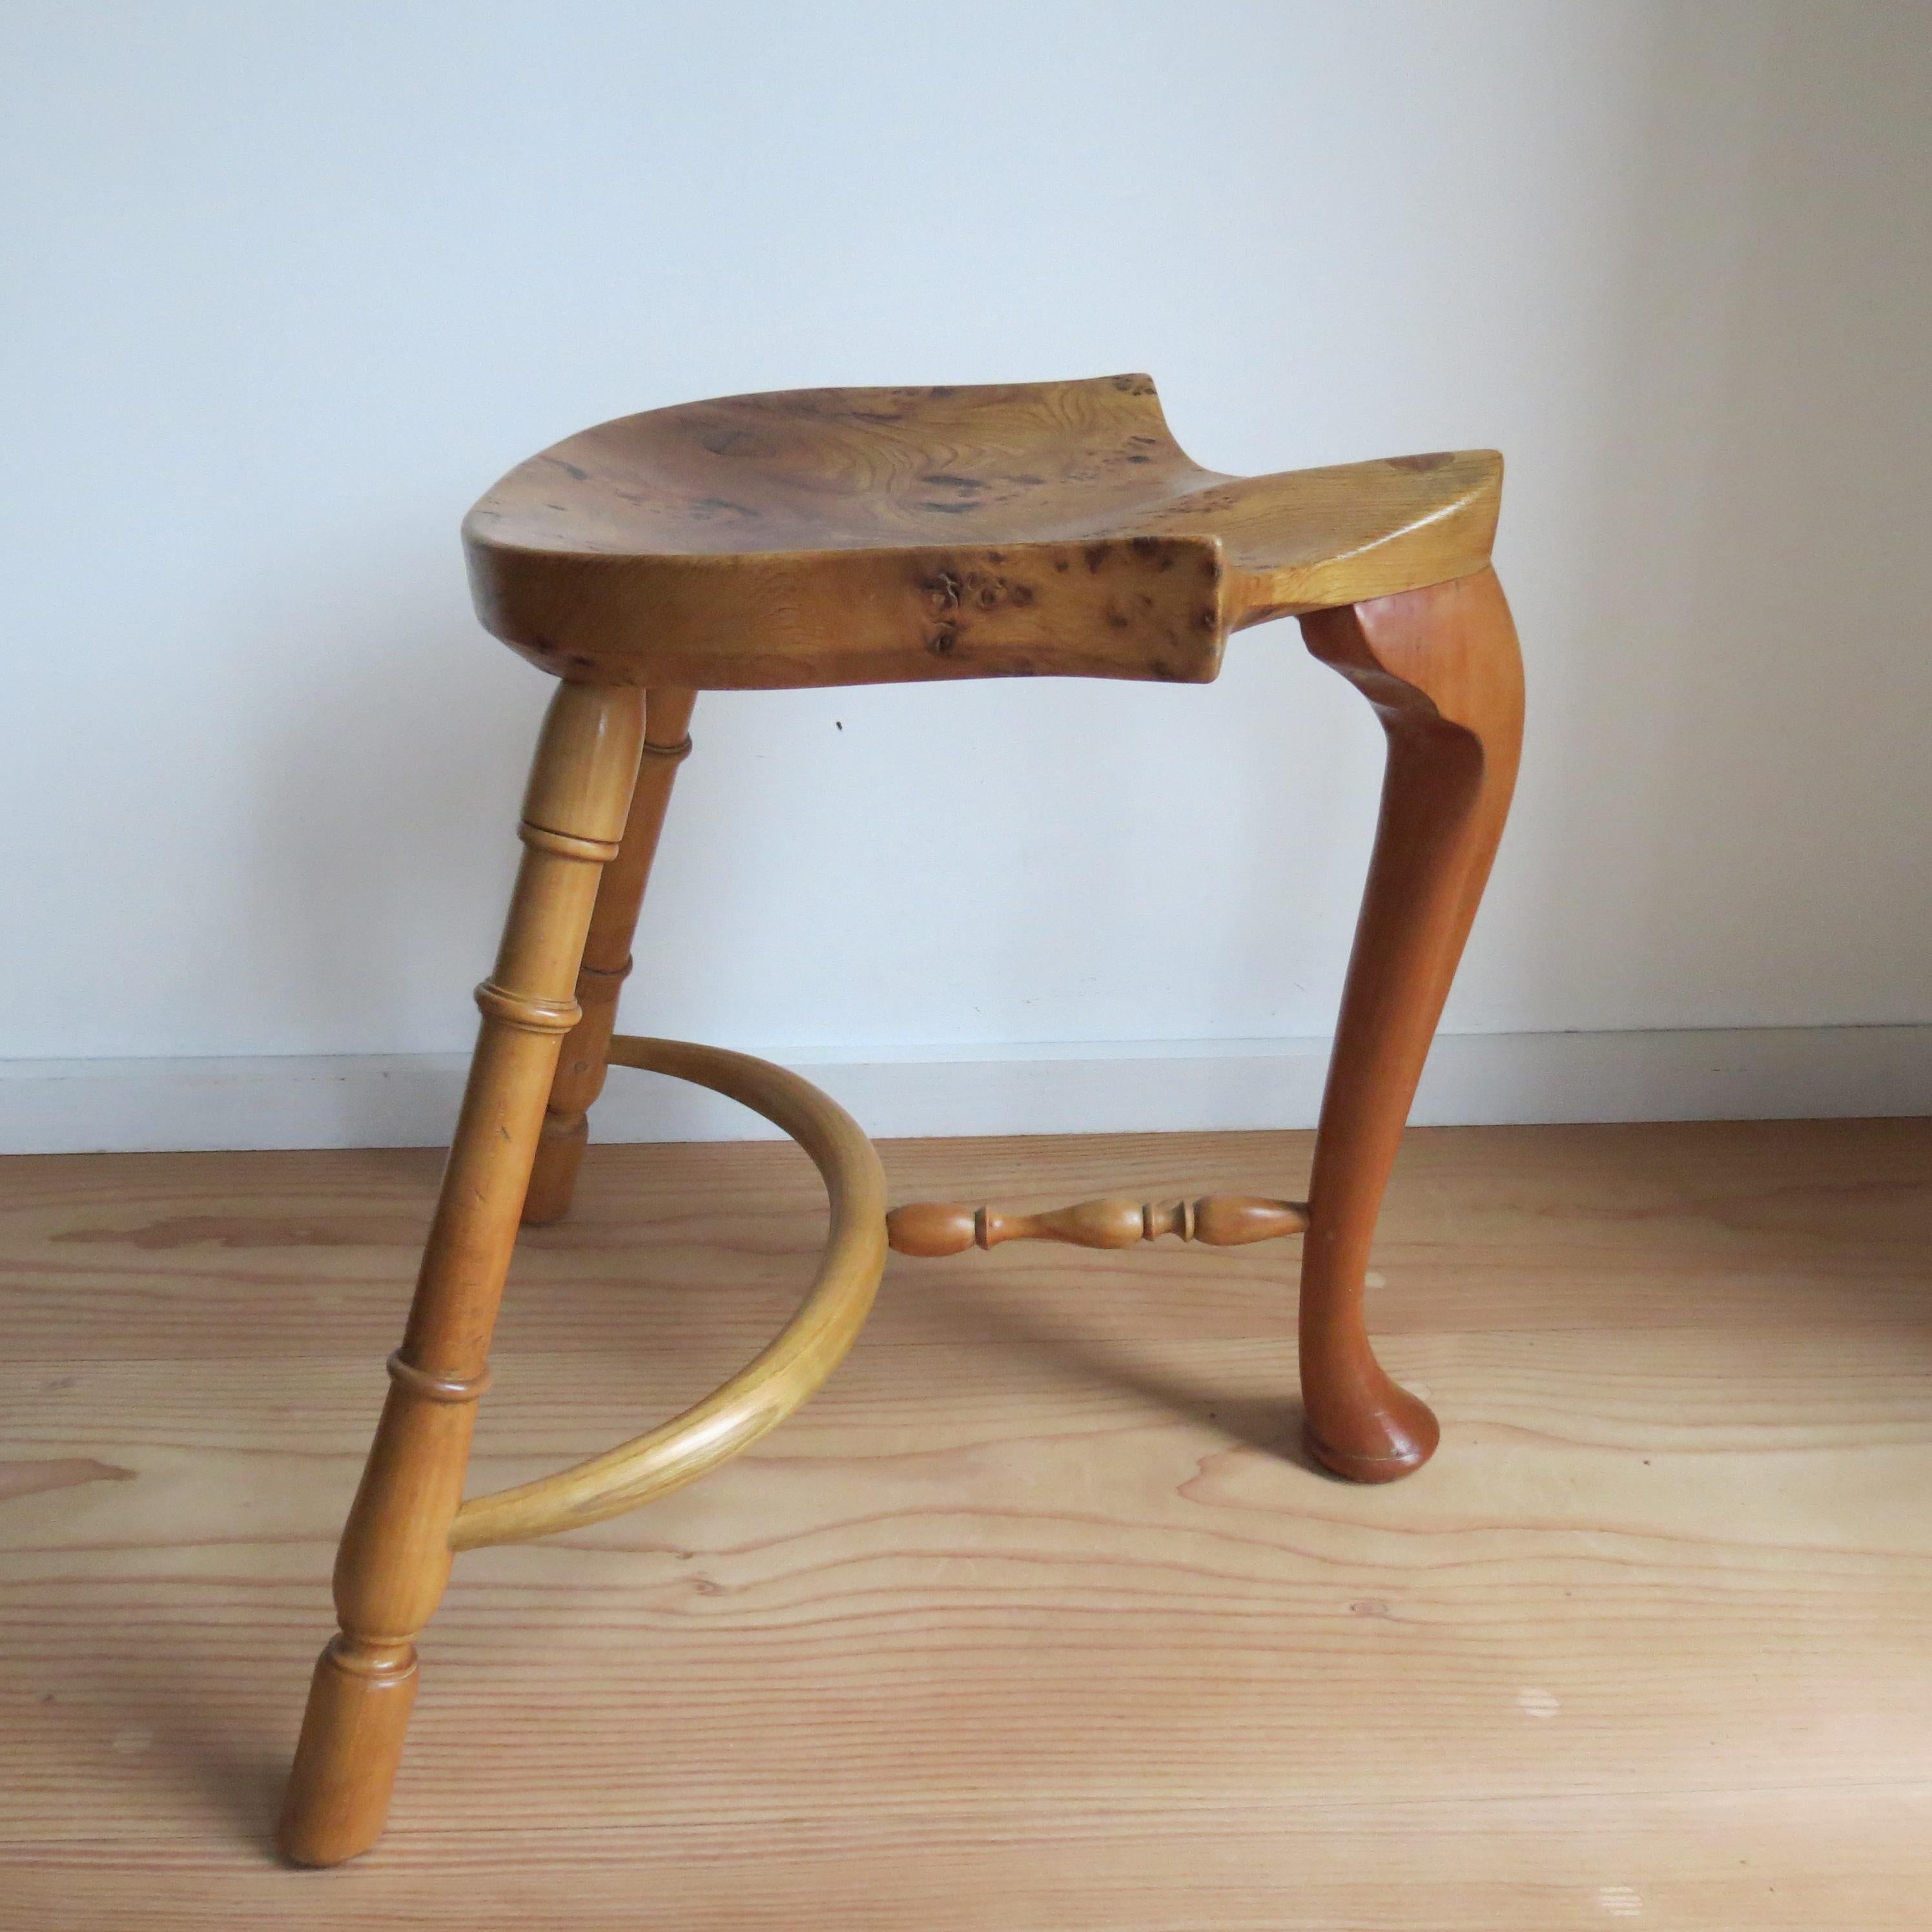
(1035, 1620)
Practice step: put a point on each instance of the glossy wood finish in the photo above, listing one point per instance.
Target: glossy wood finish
(395, 1556)
(841, 536)
(607, 959)
(930, 1228)
(854, 536)
(1442, 668)
(1035, 1619)
(791, 1369)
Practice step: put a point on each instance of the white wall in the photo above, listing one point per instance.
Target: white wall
(286, 285)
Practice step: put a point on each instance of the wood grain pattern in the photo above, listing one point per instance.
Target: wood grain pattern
(1035, 1619)
(856, 536)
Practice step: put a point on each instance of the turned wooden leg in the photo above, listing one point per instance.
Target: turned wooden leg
(395, 1556)
(1442, 669)
(585, 1059)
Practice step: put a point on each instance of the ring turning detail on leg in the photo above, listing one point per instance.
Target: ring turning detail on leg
(827, 537)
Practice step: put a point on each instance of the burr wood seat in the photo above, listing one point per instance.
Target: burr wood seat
(849, 536)
(862, 536)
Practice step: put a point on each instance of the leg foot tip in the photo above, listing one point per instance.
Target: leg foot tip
(1364, 1468)
(338, 1799)
(306, 1855)
(1382, 1449)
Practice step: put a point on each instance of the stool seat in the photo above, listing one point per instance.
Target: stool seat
(858, 536)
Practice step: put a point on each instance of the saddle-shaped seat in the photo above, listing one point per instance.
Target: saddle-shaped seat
(856, 536)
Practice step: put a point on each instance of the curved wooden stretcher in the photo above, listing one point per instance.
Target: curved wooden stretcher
(763, 1393)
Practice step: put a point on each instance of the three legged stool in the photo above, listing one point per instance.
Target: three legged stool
(866, 536)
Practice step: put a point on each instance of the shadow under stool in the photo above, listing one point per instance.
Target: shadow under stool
(824, 537)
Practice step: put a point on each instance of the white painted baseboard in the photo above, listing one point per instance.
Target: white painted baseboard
(81, 1106)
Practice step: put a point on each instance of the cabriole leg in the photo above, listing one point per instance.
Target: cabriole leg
(1442, 669)
(585, 1059)
(395, 1556)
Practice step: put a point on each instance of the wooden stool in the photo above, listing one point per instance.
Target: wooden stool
(864, 536)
